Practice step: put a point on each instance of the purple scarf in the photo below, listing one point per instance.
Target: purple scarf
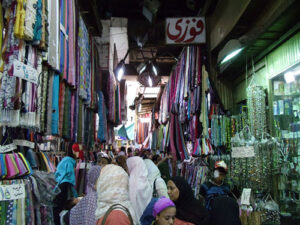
(84, 211)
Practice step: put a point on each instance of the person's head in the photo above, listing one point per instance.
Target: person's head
(122, 149)
(146, 153)
(121, 161)
(173, 191)
(179, 190)
(156, 159)
(137, 165)
(164, 212)
(113, 180)
(92, 177)
(103, 159)
(129, 151)
(112, 188)
(71, 150)
(220, 171)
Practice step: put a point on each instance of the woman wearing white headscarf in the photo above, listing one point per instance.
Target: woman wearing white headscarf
(112, 189)
(155, 179)
(140, 191)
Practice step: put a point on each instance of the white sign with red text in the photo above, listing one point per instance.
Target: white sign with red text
(188, 30)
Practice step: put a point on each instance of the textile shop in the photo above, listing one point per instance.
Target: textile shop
(49, 98)
(258, 140)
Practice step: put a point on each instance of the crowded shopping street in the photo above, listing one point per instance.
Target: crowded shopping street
(149, 112)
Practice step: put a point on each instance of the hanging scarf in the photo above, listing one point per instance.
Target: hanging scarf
(53, 51)
(50, 110)
(37, 31)
(71, 42)
(61, 106)
(102, 128)
(30, 19)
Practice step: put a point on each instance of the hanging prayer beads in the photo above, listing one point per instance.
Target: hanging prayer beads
(257, 110)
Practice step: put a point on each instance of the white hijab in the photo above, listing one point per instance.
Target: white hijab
(153, 171)
(140, 191)
(112, 188)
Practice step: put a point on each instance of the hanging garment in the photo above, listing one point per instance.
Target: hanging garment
(102, 128)
(49, 104)
(1, 40)
(44, 98)
(37, 31)
(44, 13)
(84, 61)
(71, 42)
(20, 19)
(30, 19)
(55, 105)
(9, 82)
(39, 93)
(67, 114)
(53, 50)
(61, 106)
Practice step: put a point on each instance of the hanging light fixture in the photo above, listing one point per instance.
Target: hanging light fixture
(290, 76)
(150, 81)
(230, 50)
(154, 68)
(148, 73)
(141, 67)
(120, 69)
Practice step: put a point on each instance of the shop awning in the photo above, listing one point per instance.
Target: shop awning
(125, 132)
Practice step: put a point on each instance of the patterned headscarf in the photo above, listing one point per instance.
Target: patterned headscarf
(112, 188)
(84, 211)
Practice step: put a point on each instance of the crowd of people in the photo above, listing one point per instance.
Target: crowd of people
(133, 187)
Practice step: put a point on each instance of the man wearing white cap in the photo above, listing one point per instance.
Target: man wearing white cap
(215, 187)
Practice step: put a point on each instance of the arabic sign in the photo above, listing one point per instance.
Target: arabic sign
(7, 148)
(246, 195)
(25, 72)
(188, 30)
(242, 152)
(12, 192)
(25, 143)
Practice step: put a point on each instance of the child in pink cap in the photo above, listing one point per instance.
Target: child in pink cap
(164, 212)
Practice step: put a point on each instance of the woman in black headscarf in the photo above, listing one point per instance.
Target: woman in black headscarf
(225, 211)
(188, 208)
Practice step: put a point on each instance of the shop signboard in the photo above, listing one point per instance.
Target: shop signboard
(12, 192)
(7, 148)
(25, 72)
(246, 195)
(187, 30)
(242, 152)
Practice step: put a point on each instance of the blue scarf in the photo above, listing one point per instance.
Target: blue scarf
(65, 171)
